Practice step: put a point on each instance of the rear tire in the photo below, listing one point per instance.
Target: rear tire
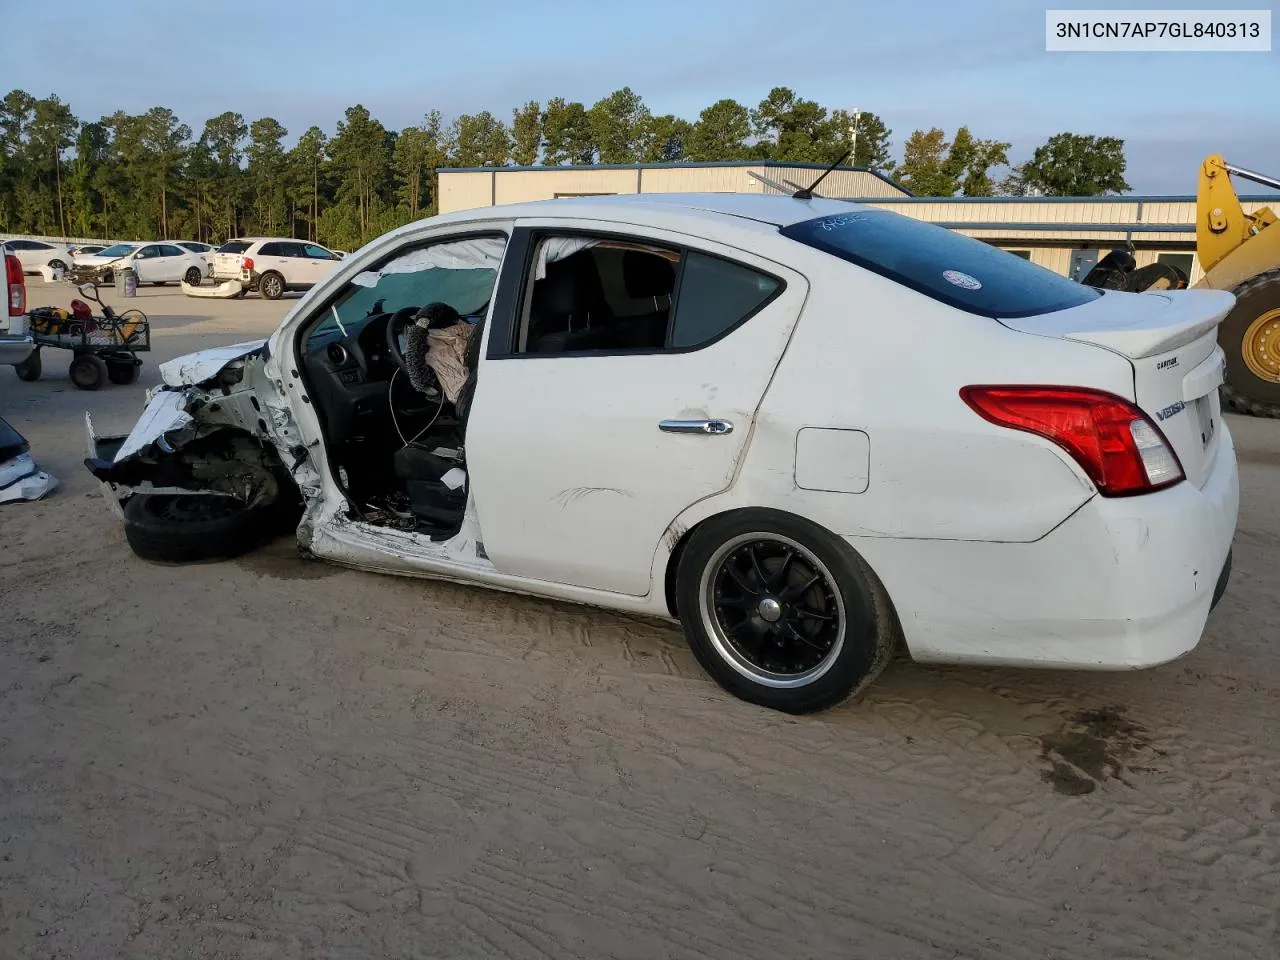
(193, 277)
(811, 623)
(271, 285)
(193, 528)
(1250, 337)
(123, 372)
(30, 368)
(57, 265)
(88, 371)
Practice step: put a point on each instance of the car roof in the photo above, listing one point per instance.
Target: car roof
(775, 210)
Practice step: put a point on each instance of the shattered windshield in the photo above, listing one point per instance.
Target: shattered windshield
(461, 273)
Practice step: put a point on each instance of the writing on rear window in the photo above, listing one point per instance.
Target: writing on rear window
(941, 264)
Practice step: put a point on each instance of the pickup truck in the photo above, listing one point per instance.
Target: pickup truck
(20, 478)
(15, 343)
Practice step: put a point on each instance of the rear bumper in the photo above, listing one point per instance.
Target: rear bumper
(1121, 584)
(14, 350)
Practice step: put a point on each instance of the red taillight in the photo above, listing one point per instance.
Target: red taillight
(17, 284)
(246, 262)
(1114, 442)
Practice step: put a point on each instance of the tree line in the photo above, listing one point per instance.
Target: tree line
(150, 175)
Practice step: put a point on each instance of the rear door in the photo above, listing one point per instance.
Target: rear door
(171, 264)
(605, 405)
(281, 256)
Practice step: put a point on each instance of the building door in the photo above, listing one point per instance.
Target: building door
(1082, 261)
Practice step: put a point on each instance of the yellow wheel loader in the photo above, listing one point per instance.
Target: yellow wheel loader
(1238, 252)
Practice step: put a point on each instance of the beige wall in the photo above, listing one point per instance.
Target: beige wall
(466, 189)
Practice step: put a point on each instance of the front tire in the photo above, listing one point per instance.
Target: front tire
(271, 286)
(1250, 337)
(781, 612)
(193, 528)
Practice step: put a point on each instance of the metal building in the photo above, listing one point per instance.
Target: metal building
(1065, 234)
(462, 188)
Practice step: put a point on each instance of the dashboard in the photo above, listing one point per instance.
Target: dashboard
(348, 375)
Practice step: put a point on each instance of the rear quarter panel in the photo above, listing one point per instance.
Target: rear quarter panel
(870, 355)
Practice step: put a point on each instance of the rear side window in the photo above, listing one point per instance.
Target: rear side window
(234, 246)
(947, 266)
(715, 296)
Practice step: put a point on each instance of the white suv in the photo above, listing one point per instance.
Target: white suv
(272, 265)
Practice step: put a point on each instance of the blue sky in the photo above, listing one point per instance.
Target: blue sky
(917, 63)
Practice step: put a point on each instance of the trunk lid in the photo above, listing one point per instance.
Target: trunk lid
(1171, 340)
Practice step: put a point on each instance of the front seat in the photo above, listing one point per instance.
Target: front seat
(437, 484)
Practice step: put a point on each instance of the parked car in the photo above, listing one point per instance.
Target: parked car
(272, 265)
(34, 254)
(86, 250)
(100, 266)
(156, 263)
(807, 429)
(204, 250)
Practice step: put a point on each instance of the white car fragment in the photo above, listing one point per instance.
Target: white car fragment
(20, 477)
(223, 291)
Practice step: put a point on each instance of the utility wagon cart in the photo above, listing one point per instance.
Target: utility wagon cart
(105, 345)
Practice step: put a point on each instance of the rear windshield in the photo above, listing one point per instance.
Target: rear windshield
(949, 267)
(234, 246)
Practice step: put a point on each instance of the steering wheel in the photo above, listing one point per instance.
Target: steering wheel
(395, 326)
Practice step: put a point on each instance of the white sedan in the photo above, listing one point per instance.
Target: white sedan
(807, 429)
(156, 263)
(34, 254)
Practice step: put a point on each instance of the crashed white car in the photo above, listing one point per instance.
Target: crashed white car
(805, 428)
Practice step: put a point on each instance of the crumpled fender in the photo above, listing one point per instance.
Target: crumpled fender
(195, 368)
(221, 391)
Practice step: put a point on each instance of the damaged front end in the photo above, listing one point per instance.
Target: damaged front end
(218, 426)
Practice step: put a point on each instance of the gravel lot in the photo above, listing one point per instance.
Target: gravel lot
(277, 759)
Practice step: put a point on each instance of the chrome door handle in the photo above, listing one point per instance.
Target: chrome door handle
(713, 427)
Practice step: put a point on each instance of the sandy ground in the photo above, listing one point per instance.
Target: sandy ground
(278, 759)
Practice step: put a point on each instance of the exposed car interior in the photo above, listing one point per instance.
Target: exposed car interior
(391, 363)
(394, 433)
